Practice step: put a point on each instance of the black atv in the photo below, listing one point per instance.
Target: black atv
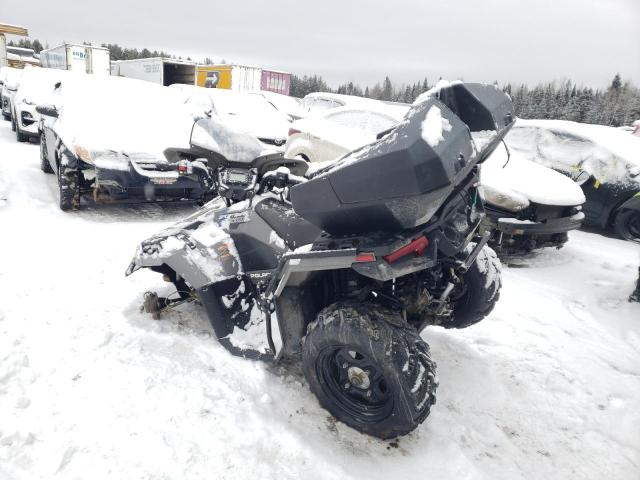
(344, 267)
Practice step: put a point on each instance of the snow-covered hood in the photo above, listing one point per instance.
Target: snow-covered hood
(537, 183)
(121, 114)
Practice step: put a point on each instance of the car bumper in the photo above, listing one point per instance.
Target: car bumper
(129, 180)
(28, 119)
(513, 226)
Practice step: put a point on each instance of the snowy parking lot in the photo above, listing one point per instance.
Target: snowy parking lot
(547, 387)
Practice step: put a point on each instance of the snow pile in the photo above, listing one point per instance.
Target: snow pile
(121, 114)
(608, 154)
(433, 127)
(521, 180)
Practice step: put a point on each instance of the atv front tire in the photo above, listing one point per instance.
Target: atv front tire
(480, 290)
(69, 186)
(44, 160)
(369, 369)
(627, 225)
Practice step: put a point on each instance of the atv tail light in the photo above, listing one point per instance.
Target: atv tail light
(365, 257)
(293, 131)
(417, 246)
(185, 167)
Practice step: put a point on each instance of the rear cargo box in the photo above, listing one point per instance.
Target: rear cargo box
(402, 180)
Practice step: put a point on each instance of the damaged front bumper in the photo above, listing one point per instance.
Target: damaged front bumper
(513, 226)
(119, 176)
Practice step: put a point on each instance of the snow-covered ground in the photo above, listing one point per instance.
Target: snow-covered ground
(547, 387)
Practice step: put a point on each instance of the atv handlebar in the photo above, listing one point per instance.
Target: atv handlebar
(279, 178)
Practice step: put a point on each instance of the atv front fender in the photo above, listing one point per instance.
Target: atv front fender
(198, 250)
(631, 204)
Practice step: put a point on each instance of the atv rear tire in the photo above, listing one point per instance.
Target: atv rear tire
(44, 160)
(627, 225)
(369, 369)
(69, 187)
(481, 290)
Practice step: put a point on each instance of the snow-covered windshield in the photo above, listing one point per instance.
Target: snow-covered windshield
(214, 135)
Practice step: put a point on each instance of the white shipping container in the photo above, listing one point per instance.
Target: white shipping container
(163, 71)
(245, 79)
(77, 58)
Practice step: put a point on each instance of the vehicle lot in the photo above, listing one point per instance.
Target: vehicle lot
(547, 387)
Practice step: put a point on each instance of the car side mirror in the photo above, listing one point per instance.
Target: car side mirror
(47, 110)
(581, 177)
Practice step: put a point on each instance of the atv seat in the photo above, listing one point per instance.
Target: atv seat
(291, 227)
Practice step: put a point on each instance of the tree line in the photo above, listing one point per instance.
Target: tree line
(618, 104)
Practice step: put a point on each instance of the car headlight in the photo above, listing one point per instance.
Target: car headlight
(83, 153)
(507, 199)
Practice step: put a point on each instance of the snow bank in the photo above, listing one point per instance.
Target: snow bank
(517, 176)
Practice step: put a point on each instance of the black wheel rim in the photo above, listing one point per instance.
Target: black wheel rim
(355, 383)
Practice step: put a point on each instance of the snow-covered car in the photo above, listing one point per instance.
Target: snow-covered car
(285, 104)
(318, 102)
(241, 111)
(10, 83)
(528, 206)
(604, 161)
(36, 85)
(107, 136)
(331, 134)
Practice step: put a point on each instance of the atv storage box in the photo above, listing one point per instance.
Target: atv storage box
(401, 180)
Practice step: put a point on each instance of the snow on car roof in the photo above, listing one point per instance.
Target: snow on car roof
(618, 142)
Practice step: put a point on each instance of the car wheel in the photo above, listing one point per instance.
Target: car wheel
(69, 188)
(21, 137)
(13, 124)
(627, 225)
(44, 157)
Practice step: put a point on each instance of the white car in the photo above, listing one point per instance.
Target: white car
(528, 206)
(327, 136)
(290, 106)
(10, 78)
(36, 86)
(318, 102)
(241, 111)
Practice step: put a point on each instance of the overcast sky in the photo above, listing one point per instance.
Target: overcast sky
(478, 40)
